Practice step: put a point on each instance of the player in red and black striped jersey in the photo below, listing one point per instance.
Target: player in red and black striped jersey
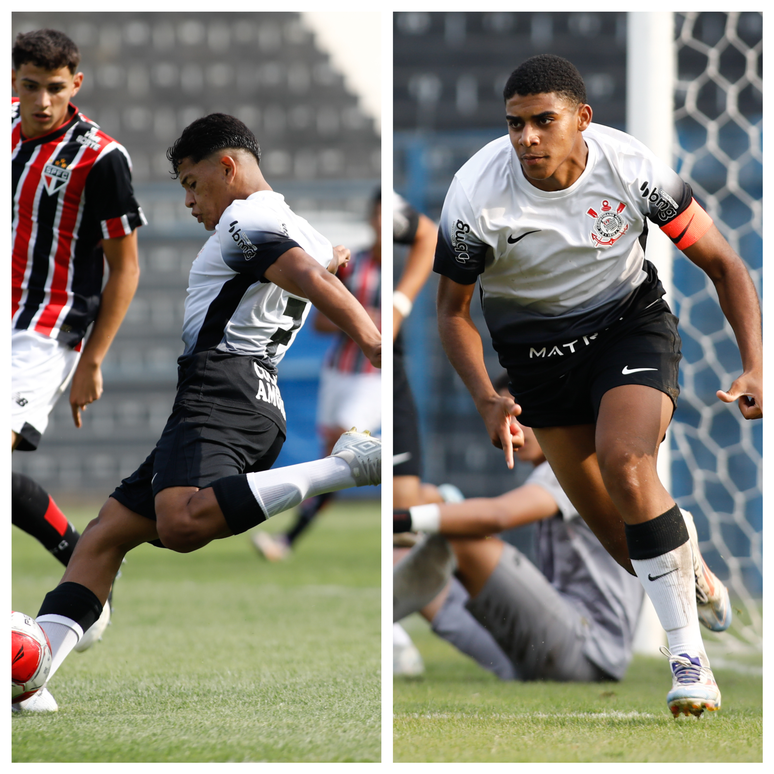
(73, 209)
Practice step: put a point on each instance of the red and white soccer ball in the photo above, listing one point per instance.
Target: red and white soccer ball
(30, 657)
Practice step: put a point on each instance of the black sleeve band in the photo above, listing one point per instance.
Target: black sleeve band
(657, 536)
(72, 601)
(239, 506)
(401, 521)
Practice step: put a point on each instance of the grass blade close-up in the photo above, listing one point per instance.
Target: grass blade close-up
(459, 712)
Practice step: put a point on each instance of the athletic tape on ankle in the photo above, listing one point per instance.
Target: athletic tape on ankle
(238, 504)
(425, 518)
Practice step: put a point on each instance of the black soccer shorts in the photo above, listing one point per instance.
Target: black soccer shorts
(216, 429)
(643, 349)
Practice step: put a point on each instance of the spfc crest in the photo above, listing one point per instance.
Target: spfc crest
(55, 176)
(609, 226)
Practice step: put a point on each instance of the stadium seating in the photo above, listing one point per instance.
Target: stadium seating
(147, 75)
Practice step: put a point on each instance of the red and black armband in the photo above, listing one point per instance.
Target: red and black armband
(689, 226)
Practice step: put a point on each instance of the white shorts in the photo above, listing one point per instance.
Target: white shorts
(350, 400)
(41, 369)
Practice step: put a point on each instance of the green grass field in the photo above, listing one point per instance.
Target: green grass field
(220, 656)
(459, 712)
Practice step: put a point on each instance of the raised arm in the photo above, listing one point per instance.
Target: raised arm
(462, 342)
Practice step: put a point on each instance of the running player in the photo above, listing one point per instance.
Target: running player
(73, 209)
(350, 386)
(551, 220)
(250, 289)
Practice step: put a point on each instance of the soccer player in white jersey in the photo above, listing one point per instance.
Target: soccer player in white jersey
(552, 221)
(249, 292)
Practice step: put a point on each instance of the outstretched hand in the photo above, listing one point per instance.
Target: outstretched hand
(747, 390)
(499, 415)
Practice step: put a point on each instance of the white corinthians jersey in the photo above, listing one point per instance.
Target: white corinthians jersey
(230, 305)
(555, 266)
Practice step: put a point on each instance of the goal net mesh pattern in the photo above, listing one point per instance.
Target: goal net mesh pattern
(716, 454)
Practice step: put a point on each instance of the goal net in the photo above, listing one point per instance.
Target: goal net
(716, 456)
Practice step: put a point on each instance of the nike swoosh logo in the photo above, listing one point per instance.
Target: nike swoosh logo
(627, 370)
(656, 577)
(398, 458)
(512, 240)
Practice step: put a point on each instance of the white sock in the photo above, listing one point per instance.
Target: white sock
(63, 634)
(400, 636)
(283, 488)
(669, 582)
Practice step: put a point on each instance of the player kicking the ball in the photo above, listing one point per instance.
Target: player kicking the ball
(552, 220)
(249, 292)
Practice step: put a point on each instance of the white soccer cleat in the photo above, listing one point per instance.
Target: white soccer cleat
(363, 453)
(421, 575)
(713, 603)
(693, 685)
(95, 631)
(42, 701)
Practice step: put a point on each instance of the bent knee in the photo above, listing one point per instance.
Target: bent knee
(178, 533)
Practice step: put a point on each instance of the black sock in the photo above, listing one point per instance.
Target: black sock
(236, 501)
(308, 510)
(33, 511)
(72, 601)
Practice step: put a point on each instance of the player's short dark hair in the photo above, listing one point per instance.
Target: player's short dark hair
(47, 49)
(208, 135)
(546, 74)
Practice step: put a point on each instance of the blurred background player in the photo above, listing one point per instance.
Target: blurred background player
(417, 232)
(350, 386)
(73, 209)
(570, 616)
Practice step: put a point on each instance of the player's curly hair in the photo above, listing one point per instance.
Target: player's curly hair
(47, 49)
(208, 135)
(546, 74)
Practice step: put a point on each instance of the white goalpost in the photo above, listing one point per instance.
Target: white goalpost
(649, 106)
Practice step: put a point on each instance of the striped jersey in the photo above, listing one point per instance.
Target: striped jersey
(71, 188)
(555, 266)
(363, 278)
(230, 305)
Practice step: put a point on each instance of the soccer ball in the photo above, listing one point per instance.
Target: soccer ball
(30, 657)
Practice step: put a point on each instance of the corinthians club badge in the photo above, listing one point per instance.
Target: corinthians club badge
(609, 226)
